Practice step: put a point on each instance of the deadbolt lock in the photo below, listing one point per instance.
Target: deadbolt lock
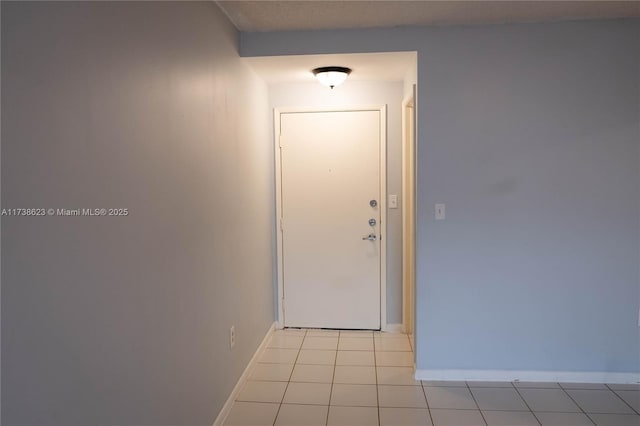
(373, 203)
(372, 222)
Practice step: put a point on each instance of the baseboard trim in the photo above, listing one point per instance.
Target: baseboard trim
(393, 328)
(529, 376)
(226, 408)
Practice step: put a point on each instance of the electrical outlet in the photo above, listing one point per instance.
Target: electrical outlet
(232, 336)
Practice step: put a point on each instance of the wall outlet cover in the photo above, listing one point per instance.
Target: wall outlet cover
(232, 336)
(393, 201)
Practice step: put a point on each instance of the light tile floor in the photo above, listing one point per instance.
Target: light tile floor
(350, 378)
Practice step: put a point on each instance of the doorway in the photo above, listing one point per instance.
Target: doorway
(331, 192)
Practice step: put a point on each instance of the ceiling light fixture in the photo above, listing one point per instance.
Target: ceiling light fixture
(331, 76)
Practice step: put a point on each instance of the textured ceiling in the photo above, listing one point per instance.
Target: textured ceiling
(331, 14)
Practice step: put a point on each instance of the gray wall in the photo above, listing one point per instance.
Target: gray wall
(530, 134)
(125, 320)
(365, 93)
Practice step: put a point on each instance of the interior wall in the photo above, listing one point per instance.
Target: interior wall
(125, 320)
(530, 135)
(364, 93)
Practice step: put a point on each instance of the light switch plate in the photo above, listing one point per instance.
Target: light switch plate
(440, 211)
(393, 201)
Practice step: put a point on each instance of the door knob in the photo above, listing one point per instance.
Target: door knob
(370, 237)
(372, 222)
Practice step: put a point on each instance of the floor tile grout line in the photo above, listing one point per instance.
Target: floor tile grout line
(625, 402)
(477, 409)
(476, 402)
(526, 403)
(424, 392)
(333, 379)
(412, 344)
(578, 405)
(295, 361)
(376, 372)
(507, 411)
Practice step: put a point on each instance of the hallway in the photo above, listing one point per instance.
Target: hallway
(349, 378)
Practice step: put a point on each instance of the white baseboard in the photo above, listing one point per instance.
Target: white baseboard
(529, 376)
(393, 328)
(226, 408)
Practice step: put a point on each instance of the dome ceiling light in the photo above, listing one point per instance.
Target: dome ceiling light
(331, 76)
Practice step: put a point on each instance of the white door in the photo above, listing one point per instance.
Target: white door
(330, 177)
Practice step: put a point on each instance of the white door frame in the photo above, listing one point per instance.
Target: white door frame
(382, 109)
(409, 212)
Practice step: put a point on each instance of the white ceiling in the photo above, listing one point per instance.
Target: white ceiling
(271, 15)
(365, 66)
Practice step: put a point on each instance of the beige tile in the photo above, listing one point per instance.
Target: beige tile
(355, 358)
(312, 373)
(324, 343)
(549, 400)
(307, 393)
(354, 395)
(352, 416)
(356, 333)
(401, 396)
(290, 332)
(498, 399)
(279, 356)
(631, 397)
(537, 385)
(599, 401)
(563, 419)
(322, 333)
(355, 374)
(616, 419)
(302, 415)
(453, 398)
(252, 414)
(262, 392)
(272, 372)
(445, 383)
(396, 376)
(594, 386)
(509, 418)
(385, 334)
(457, 417)
(630, 386)
(404, 417)
(481, 384)
(285, 341)
(317, 357)
(394, 359)
(355, 344)
(393, 345)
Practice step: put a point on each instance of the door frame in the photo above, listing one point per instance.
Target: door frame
(277, 112)
(409, 180)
